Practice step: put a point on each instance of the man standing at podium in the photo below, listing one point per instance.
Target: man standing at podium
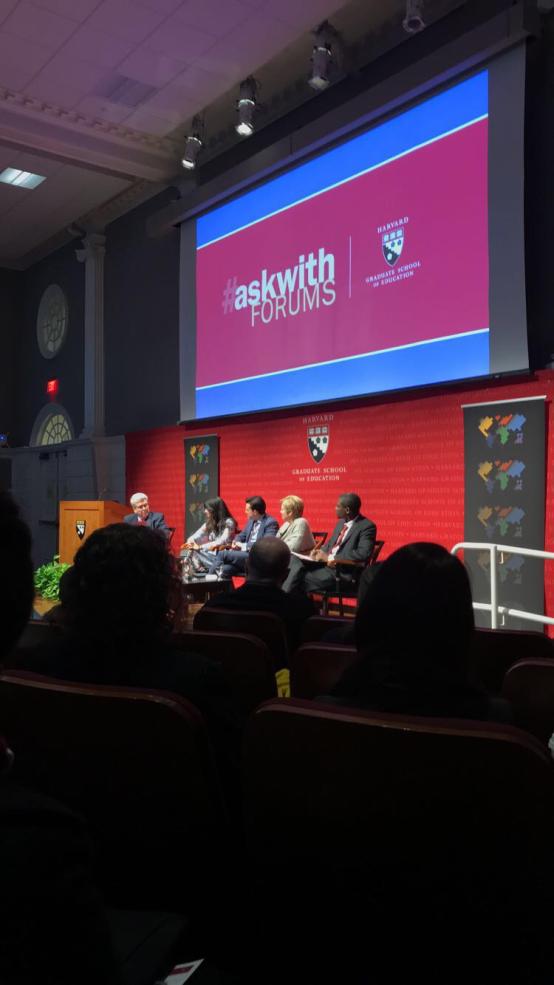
(142, 517)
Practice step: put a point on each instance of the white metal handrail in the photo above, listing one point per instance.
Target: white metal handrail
(493, 607)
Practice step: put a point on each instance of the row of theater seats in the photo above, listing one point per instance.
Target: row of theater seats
(355, 828)
(251, 646)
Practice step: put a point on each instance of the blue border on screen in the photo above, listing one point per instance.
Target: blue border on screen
(429, 120)
(456, 358)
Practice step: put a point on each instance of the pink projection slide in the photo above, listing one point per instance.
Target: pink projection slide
(393, 257)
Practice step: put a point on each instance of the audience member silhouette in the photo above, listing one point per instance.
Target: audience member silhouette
(53, 927)
(413, 631)
(267, 566)
(118, 630)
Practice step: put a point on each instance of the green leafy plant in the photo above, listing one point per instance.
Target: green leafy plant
(47, 578)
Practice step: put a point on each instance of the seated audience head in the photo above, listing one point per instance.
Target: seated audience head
(216, 512)
(122, 585)
(414, 625)
(291, 508)
(140, 505)
(268, 561)
(66, 586)
(348, 506)
(16, 574)
(255, 507)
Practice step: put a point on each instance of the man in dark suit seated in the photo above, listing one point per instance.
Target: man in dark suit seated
(142, 515)
(267, 566)
(352, 539)
(260, 524)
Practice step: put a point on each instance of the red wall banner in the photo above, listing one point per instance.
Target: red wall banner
(404, 455)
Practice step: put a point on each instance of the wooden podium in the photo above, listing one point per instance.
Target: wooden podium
(80, 518)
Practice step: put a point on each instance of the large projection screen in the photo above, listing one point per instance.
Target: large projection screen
(393, 259)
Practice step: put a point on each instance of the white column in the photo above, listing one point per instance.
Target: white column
(92, 255)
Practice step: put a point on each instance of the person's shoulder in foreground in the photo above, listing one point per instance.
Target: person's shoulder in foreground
(52, 920)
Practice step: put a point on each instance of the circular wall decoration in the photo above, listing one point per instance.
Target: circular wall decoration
(52, 426)
(52, 321)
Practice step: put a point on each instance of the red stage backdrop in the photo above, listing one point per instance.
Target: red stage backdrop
(403, 455)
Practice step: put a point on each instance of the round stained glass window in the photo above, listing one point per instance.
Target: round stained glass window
(52, 321)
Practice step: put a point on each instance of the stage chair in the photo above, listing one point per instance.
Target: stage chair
(138, 765)
(246, 662)
(265, 625)
(315, 668)
(493, 651)
(529, 687)
(347, 589)
(359, 823)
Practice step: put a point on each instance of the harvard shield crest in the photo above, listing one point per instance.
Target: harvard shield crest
(318, 442)
(392, 244)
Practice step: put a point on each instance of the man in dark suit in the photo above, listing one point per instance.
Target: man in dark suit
(260, 524)
(267, 566)
(143, 517)
(352, 539)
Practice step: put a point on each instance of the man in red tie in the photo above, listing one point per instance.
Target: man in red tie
(352, 539)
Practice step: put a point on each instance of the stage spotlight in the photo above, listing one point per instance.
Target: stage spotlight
(322, 56)
(193, 144)
(246, 106)
(413, 21)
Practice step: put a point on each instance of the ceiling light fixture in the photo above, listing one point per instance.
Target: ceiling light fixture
(413, 21)
(194, 143)
(246, 106)
(325, 41)
(21, 179)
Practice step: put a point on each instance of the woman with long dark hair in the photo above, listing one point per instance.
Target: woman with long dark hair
(414, 628)
(218, 530)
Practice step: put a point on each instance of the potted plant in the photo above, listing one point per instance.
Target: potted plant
(47, 578)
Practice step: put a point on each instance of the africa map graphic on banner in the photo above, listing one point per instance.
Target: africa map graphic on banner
(504, 501)
(508, 474)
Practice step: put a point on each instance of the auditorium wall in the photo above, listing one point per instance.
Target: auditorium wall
(9, 322)
(32, 371)
(403, 454)
(141, 322)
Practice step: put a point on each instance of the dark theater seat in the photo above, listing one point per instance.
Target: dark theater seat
(138, 766)
(390, 843)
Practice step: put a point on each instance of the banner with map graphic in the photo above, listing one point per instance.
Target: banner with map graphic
(201, 478)
(504, 445)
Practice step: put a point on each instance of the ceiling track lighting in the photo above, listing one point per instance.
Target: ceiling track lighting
(194, 142)
(246, 107)
(413, 21)
(324, 56)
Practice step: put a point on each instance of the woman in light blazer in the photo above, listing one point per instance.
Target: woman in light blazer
(218, 530)
(295, 530)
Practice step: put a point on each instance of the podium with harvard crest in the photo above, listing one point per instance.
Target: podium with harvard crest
(79, 518)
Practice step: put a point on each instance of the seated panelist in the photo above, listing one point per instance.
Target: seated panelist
(352, 539)
(142, 515)
(218, 530)
(233, 561)
(295, 530)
